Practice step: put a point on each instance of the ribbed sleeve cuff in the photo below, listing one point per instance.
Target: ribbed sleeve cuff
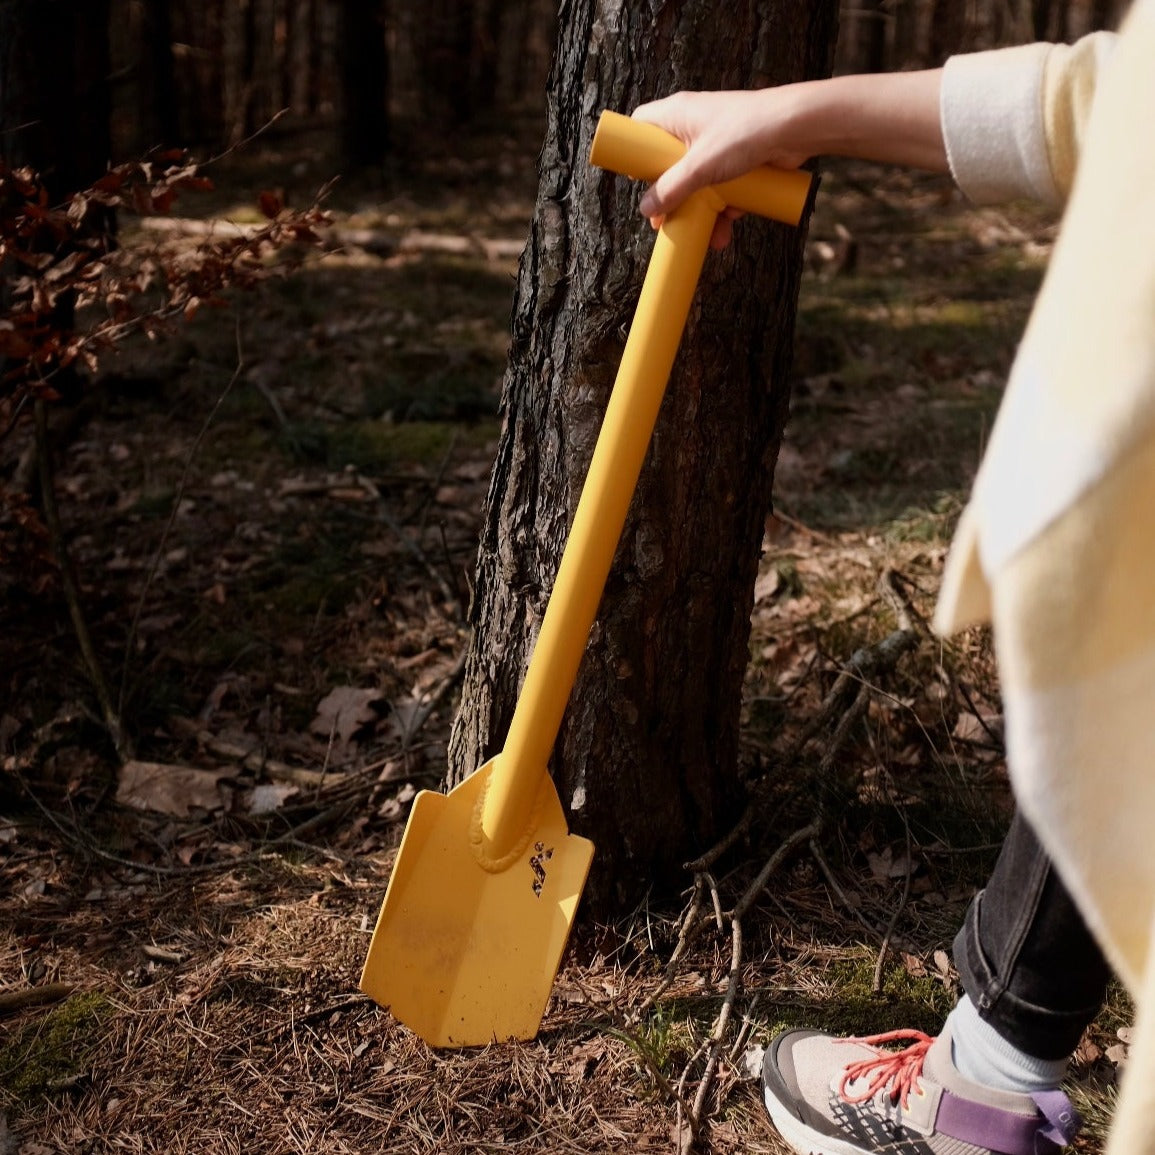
(993, 127)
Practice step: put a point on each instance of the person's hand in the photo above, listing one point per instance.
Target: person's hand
(888, 118)
(726, 134)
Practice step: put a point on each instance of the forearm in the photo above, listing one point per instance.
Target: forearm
(890, 118)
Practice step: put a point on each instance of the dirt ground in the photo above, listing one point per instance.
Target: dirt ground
(273, 515)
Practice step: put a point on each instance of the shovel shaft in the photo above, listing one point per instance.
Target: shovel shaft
(664, 304)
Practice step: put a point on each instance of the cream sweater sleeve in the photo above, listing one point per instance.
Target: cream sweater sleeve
(1013, 119)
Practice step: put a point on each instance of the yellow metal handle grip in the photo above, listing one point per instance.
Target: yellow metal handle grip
(644, 151)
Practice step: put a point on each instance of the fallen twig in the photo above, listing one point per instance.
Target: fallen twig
(722, 1022)
(11, 1001)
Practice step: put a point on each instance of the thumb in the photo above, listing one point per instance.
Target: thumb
(672, 188)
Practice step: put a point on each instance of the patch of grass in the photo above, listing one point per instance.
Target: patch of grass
(664, 1039)
(1095, 1101)
(49, 1051)
(459, 388)
(1118, 1009)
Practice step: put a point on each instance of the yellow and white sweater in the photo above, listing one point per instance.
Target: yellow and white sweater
(1057, 545)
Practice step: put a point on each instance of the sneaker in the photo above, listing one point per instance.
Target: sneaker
(831, 1096)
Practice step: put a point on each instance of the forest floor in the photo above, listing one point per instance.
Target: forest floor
(273, 516)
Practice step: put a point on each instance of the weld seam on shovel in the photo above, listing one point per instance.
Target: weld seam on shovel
(478, 841)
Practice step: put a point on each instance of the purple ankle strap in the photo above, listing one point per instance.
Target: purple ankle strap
(1062, 1118)
(1006, 1132)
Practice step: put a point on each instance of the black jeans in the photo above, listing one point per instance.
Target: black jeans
(1025, 956)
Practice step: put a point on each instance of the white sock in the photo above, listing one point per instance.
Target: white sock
(982, 1055)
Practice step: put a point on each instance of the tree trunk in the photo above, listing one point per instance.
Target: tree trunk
(261, 105)
(198, 39)
(447, 60)
(56, 120)
(299, 89)
(531, 31)
(235, 66)
(905, 34)
(1041, 18)
(365, 83)
(646, 762)
(1104, 14)
(493, 18)
(157, 52)
(948, 24)
(875, 15)
(54, 96)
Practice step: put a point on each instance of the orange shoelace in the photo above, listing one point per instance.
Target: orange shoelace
(896, 1071)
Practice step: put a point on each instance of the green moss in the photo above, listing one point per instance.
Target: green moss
(223, 647)
(311, 594)
(155, 504)
(846, 1004)
(373, 445)
(50, 1050)
(932, 525)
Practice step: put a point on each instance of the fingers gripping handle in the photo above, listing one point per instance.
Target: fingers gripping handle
(644, 151)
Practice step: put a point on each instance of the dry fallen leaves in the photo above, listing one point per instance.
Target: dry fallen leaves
(170, 789)
(344, 711)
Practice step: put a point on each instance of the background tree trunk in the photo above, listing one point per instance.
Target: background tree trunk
(365, 82)
(54, 96)
(647, 757)
(158, 56)
(874, 15)
(56, 119)
(1104, 14)
(948, 27)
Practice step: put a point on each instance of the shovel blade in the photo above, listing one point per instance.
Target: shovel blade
(465, 956)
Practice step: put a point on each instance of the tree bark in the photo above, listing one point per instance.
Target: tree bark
(56, 120)
(905, 34)
(365, 83)
(647, 759)
(948, 26)
(1104, 14)
(1041, 18)
(54, 96)
(157, 51)
(875, 15)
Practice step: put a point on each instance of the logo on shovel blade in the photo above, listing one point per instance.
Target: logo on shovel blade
(537, 862)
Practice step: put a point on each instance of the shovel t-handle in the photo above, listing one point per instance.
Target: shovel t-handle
(644, 151)
(622, 145)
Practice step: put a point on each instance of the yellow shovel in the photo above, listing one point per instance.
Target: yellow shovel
(488, 877)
